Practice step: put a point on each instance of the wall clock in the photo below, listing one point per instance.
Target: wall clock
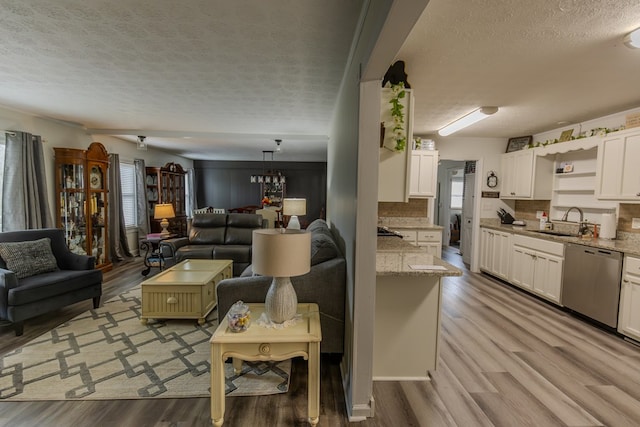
(95, 178)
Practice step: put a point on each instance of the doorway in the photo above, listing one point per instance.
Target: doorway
(455, 204)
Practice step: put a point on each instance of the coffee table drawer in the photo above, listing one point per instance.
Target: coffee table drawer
(188, 301)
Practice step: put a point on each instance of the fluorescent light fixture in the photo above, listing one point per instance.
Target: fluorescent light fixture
(469, 119)
(632, 40)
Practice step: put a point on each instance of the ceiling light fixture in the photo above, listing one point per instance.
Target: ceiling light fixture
(278, 141)
(469, 119)
(141, 144)
(632, 40)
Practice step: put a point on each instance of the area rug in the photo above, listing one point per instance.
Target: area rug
(107, 353)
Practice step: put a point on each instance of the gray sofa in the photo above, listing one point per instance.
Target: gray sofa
(324, 285)
(215, 236)
(45, 277)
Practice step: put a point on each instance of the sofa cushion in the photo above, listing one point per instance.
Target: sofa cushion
(323, 248)
(240, 228)
(29, 258)
(44, 286)
(206, 236)
(236, 253)
(195, 252)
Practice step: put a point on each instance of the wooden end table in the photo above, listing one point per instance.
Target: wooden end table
(153, 256)
(267, 344)
(185, 291)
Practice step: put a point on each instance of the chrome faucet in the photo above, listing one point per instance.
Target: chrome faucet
(566, 214)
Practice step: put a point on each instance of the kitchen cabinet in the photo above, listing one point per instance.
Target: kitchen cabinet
(394, 166)
(429, 239)
(536, 265)
(81, 202)
(526, 176)
(495, 252)
(629, 316)
(424, 173)
(618, 174)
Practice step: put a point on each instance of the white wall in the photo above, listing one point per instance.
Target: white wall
(58, 134)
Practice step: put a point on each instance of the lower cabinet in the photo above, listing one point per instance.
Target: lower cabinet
(629, 317)
(495, 254)
(536, 265)
(431, 240)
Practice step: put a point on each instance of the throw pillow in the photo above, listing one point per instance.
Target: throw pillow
(29, 258)
(323, 248)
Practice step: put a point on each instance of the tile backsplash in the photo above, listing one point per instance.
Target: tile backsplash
(628, 211)
(416, 208)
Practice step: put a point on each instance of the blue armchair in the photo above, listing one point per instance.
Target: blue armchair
(69, 278)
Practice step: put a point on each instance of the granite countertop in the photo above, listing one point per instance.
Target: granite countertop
(394, 257)
(629, 246)
(407, 223)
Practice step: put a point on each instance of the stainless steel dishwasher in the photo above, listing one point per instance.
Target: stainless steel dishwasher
(591, 282)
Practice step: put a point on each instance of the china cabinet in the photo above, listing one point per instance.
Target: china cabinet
(167, 185)
(81, 202)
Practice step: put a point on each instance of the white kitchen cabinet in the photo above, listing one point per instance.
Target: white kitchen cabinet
(495, 252)
(424, 173)
(618, 174)
(526, 176)
(536, 265)
(429, 239)
(394, 167)
(629, 315)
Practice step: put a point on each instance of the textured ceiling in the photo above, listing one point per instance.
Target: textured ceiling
(222, 79)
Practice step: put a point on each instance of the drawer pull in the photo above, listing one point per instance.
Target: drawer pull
(264, 348)
(172, 300)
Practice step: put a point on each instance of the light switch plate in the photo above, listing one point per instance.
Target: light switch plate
(635, 223)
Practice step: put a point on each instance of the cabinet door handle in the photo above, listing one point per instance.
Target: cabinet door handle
(638, 194)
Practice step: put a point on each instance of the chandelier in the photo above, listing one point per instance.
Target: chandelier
(273, 180)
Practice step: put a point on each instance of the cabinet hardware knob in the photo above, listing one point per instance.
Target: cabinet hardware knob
(264, 348)
(638, 194)
(172, 300)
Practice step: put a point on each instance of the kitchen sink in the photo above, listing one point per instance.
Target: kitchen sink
(555, 233)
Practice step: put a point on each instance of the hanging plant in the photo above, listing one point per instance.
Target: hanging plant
(397, 113)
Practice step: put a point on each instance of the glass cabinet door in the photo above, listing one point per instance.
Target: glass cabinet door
(72, 207)
(98, 211)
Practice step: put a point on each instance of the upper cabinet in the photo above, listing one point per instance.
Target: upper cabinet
(424, 173)
(394, 166)
(618, 174)
(526, 176)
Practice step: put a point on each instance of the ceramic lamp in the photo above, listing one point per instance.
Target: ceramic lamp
(282, 254)
(164, 211)
(293, 207)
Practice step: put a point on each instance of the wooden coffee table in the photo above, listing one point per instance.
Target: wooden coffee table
(185, 291)
(261, 343)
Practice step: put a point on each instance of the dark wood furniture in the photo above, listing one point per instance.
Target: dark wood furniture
(167, 185)
(81, 202)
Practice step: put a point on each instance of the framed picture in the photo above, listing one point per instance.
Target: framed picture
(518, 143)
(565, 135)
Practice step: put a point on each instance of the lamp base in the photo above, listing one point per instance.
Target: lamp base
(165, 227)
(294, 224)
(281, 303)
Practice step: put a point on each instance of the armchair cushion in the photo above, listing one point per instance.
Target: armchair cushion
(28, 258)
(323, 248)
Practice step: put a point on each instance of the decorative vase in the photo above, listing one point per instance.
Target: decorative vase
(281, 303)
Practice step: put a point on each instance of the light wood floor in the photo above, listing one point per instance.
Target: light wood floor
(507, 359)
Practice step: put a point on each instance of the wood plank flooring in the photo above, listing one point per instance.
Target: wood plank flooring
(506, 359)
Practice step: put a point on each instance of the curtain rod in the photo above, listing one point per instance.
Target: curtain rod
(12, 133)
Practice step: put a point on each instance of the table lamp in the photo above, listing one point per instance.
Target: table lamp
(282, 254)
(164, 211)
(294, 207)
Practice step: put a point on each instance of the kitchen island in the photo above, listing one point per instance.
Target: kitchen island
(408, 304)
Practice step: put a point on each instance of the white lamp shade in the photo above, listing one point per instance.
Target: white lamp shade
(292, 206)
(164, 210)
(281, 253)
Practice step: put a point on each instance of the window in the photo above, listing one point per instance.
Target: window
(457, 185)
(128, 187)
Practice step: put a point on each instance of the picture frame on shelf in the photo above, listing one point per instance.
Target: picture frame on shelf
(565, 135)
(518, 143)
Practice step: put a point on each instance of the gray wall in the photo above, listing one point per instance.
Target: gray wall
(225, 184)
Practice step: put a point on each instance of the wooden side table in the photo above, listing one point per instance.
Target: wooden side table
(153, 257)
(267, 344)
